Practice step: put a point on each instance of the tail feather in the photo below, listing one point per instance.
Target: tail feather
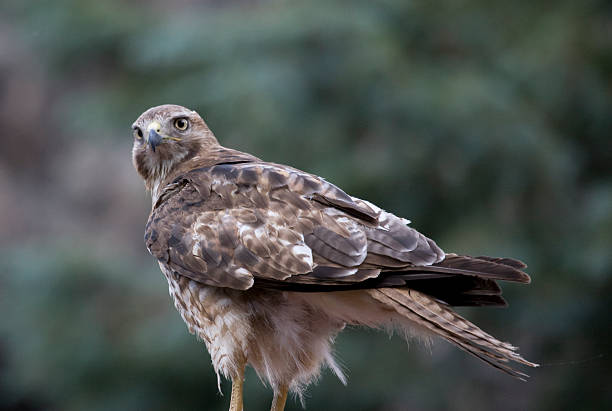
(458, 289)
(426, 312)
(450, 320)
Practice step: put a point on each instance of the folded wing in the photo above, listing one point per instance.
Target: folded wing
(259, 224)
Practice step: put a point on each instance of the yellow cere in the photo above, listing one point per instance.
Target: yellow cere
(154, 125)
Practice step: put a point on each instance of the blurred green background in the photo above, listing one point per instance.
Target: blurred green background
(489, 126)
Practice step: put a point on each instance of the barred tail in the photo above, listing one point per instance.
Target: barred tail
(437, 318)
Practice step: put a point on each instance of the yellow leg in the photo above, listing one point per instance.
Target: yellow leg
(280, 397)
(237, 385)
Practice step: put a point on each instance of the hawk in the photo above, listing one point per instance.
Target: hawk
(267, 263)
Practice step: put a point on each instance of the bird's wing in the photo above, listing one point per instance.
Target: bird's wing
(236, 225)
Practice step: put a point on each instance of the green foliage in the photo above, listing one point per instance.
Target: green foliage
(487, 125)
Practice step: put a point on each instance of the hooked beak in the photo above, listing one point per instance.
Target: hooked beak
(154, 139)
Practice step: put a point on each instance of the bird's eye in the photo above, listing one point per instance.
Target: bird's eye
(181, 124)
(138, 133)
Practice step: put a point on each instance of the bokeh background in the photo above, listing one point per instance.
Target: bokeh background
(487, 125)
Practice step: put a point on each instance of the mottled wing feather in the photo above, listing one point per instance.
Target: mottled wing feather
(227, 247)
(493, 268)
(239, 224)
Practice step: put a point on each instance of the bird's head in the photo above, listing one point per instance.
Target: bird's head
(165, 136)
